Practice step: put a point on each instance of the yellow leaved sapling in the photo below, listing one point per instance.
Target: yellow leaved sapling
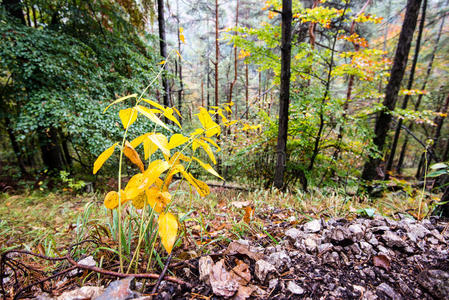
(148, 190)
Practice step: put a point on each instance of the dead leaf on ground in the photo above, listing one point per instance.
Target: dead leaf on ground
(238, 248)
(241, 273)
(382, 261)
(221, 281)
(205, 268)
(249, 213)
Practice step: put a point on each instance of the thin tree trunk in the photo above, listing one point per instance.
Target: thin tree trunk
(202, 93)
(439, 120)
(207, 85)
(391, 92)
(181, 83)
(51, 152)
(411, 78)
(418, 102)
(316, 147)
(217, 56)
(445, 156)
(163, 50)
(231, 88)
(259, 89)
(246, 91)
(284, 99)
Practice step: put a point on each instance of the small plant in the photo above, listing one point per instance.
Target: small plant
(72, 184)
(147, 193)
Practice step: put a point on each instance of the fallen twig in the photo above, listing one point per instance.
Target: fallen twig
(156, 286)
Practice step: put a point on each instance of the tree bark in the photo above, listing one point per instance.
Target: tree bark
(391, 92)
(284, 99)
(231, 88)
(411, 78)
(217, 57)
(246, 91)
(51, 151)
(423, 87)
(181, 83)
(163, 50)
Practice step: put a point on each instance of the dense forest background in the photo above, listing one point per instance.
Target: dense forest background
(364, 109)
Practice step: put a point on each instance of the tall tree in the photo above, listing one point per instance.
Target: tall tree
(411, 78)
(284, 98)
(163, 50)
(231, 88)
(423, 87)
(383, 122)
(217, 56)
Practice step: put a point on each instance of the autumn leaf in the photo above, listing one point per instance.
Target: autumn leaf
(139, 201)
(168, 230)
(127, 116)
(177, 140)
(208, 124)
(150, 115)
(157, 200)
(103, 157)
(119, 100)
(133, 156)
(201, 187)
(111, 200)
(208, 168)
(138, 140)
(206, 147)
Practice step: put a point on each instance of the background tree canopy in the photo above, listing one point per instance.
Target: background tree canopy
(60, 68)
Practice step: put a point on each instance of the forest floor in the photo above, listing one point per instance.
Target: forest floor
(257, 245)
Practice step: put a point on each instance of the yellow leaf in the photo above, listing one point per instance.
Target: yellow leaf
(155, 104)
(168, 230)
(179, 54)
(111, 200)
(162, 62)
(168, 113)
(157, 199)
(196, 143)
(177, 140)
(197, 131)
(182, 38)
(128, 116)
(142, 181)
(150, 115)
(161, 142)
(201, 187)
(119, 100)
(208, 168)
(133, 188)
(133, 156)
(177, 157)
(138, 140)
(103, 157)
(174, 170)
(212, 142)
(177, 112)
(209, 125)
(155, 169)
(139, 201)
